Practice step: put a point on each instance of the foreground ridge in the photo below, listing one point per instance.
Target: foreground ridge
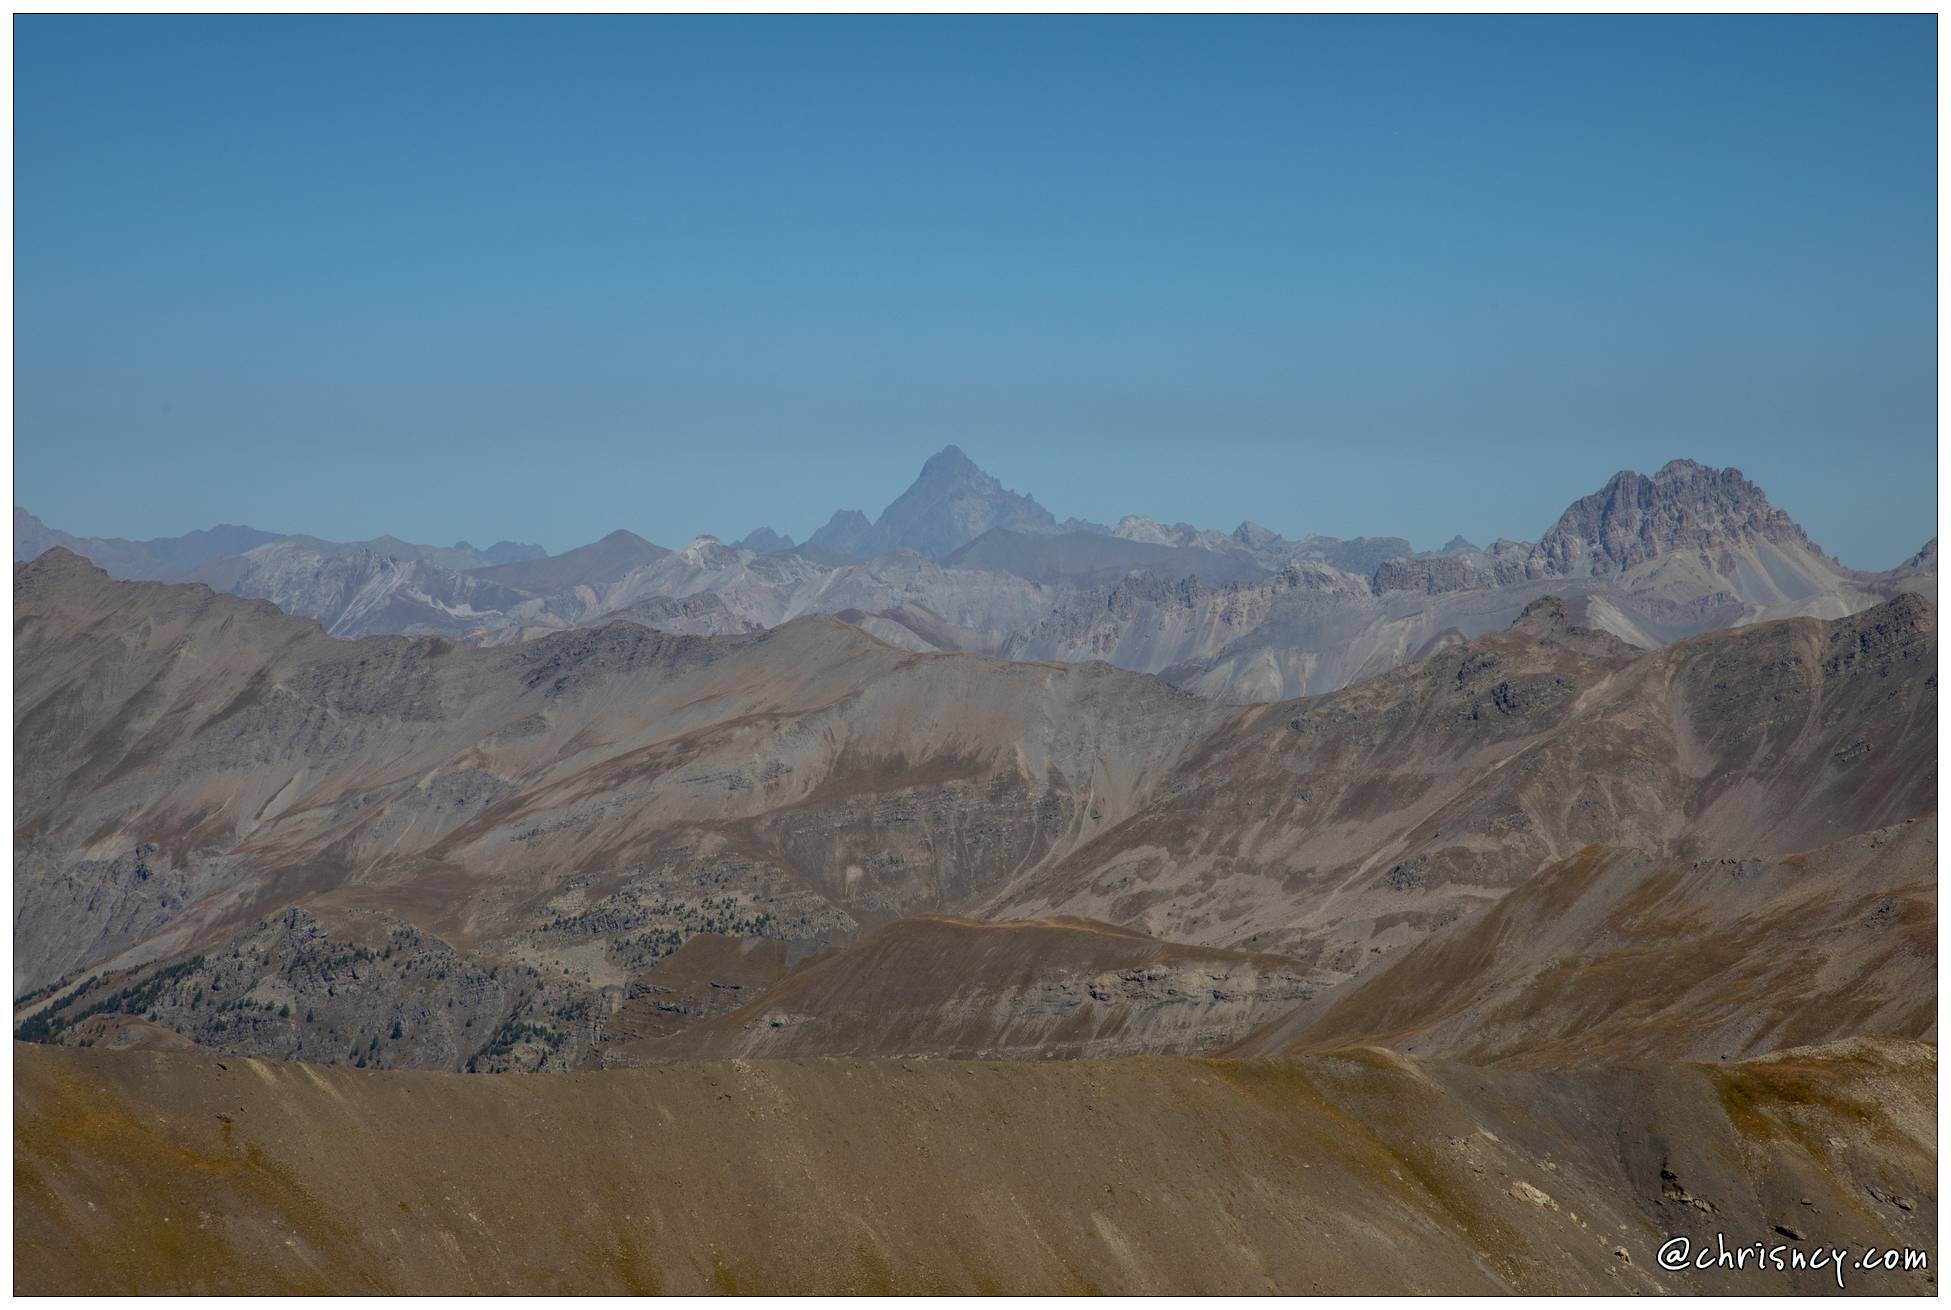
(1359, 1171)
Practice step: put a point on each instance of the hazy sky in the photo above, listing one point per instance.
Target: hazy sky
(542, 278)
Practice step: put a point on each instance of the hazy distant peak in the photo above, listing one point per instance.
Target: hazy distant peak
(846, 533)
(951, 459)
(949, 468)
(168, 559)
(1136, 527)
(1253, 536)
(764, 541)
(513, 552)
(951, 503)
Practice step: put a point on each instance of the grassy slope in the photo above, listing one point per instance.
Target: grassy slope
(160, 1171)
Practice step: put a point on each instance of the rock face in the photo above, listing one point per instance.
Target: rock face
(356, 592)
(1430, 576)
(1685, 508)
(1136, 527)
(1923, 562)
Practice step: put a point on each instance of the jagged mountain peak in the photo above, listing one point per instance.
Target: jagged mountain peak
(846, 533)
(950, 468)
(951, 503)
(1685, 507)
(764, 541)
(513, 552)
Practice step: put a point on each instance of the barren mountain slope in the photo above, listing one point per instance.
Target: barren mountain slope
(359, 592)
(511, 837)
(190, 760)
(1342, 827)
(1610, 956)
(1358, 1172)
(1089, 558)
(773, 589)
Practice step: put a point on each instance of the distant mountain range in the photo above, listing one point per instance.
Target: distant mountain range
(959, 562)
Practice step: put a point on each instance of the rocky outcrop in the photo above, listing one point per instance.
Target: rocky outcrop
(1428, 575)
(938, 986)
(1923, 562)
(356, 593)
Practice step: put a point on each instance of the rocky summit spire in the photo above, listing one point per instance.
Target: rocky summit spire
(1685, 507)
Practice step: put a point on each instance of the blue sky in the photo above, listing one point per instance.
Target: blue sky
(541, 278)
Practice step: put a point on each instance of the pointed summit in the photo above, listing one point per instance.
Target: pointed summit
(950, 459)
(847, 533)
(950, 504)
(1255, 537)
(764, 541)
